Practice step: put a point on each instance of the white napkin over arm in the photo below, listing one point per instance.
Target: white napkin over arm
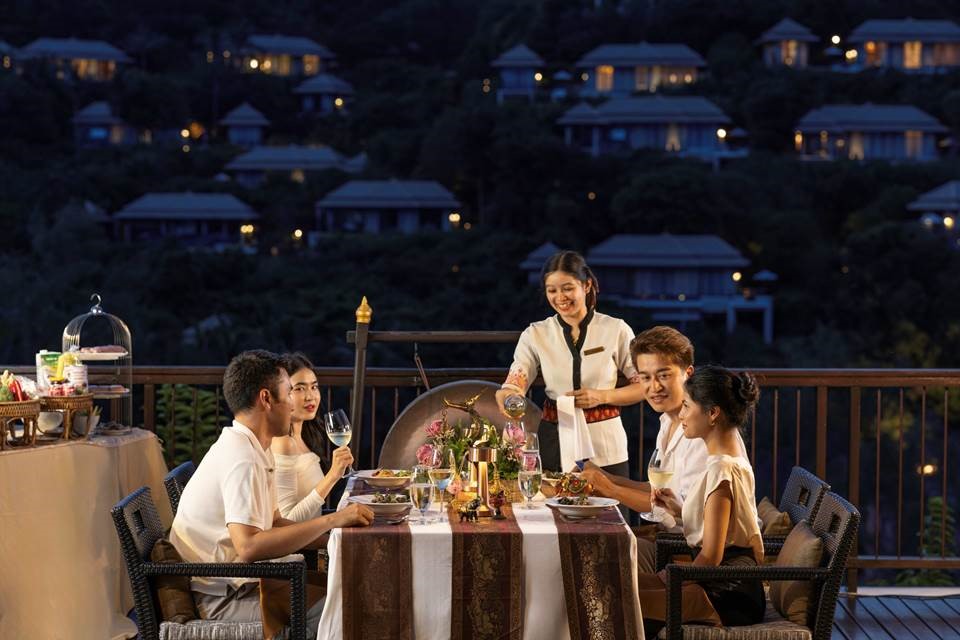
(575, 442)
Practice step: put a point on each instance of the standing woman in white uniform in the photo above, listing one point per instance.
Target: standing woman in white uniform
(580, 352)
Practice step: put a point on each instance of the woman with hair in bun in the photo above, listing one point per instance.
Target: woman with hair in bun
(302, 486)
(579, 352)
(719, 515)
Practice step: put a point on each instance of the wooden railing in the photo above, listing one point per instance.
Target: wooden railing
(880, 437)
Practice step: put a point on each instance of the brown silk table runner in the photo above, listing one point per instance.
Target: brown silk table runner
(377, 569)
(597, 577)
(487, 579)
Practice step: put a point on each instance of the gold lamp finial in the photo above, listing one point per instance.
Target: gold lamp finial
(364, 312)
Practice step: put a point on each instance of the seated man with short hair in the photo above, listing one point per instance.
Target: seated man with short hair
(228, 511)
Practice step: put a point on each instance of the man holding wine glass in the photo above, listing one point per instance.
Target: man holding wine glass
(664, 360)
(229, 511)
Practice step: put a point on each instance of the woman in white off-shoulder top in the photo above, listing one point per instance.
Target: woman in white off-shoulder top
(302, 485)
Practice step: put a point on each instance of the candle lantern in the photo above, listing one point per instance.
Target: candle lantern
(481, 458)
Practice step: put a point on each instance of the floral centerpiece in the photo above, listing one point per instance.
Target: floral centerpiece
(455, 438)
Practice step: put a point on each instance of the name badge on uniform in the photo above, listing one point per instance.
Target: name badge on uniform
(590, 352)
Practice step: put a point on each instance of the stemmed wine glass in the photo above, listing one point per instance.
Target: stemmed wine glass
(339, 432)
(441, 475)
(659, 477)
(421, 491)
(530, 475)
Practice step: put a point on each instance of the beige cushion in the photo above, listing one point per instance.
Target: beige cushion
(773, 627)
(775, 522)
(173, 592)
(792, 598)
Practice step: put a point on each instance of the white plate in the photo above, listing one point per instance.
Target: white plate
(94, 356)
(382, 483)
(382, 509)
(595, 506)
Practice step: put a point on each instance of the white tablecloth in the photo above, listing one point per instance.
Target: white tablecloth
(63, 573)
(545, 613)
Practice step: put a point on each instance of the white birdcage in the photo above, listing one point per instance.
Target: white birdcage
(102, 341)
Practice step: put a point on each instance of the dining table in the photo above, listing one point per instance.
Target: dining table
(535, 574)
(63, 570)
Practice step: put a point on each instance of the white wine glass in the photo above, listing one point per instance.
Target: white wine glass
(440, 476)
(421, 491)
(339, 432)
(530, 476)
(659, 478)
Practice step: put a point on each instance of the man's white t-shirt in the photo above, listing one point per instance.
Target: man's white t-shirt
(234, 483)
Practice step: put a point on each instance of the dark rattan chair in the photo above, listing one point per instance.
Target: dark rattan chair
(801, 499)
(176, 480)
(836, 524)
(139, 528)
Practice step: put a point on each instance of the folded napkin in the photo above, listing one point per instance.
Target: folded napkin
(575, 442)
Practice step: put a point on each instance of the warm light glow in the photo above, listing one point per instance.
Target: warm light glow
(226, 54)
(927, 469)
(454, 218)
(254, 63)
(338, 103)
(584, 76)
(798, 140)
(209, 56)
(538, 76)
(737, 276)
(246, 229)
(681, 297)
(455, 268)
(851, 54)
(844, 269)
(948, 222)
(673, 78)
(267, 64)
(835, 39)
(184, 133)
(297, 234)
(688, 78)
(196, 129)
(186, 148)
(721, 133)
(591, 196)
(486, 82)
(467, 226)
(486, 88)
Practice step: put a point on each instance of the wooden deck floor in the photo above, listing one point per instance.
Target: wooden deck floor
(896, 618)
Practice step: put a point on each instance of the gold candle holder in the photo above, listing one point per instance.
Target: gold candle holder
(480, 458)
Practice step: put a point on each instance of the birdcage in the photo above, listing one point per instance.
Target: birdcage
(102, 342)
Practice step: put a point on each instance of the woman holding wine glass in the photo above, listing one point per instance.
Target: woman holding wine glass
(302, 485)
(579, 352)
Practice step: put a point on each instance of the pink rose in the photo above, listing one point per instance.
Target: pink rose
(435, 429)
(515, 435)
(425, 454)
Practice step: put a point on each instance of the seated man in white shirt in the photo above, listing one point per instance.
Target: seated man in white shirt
(664, 360)
(228, 510)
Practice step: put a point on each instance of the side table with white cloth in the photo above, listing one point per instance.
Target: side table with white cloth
(63, 572)
(532, 576)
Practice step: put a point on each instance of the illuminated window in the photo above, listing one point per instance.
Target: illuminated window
(875, 52)
(789, 50)
(798, 141)
(311, 64)
(282, 65)
(824, 144)
(914, 141)
(687, 78)
(673, 138)
(912, 54)
(604, 78)
(209, 56)
(856, 146)
(6, 62)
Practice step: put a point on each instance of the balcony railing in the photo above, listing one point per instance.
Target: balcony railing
(880, 437)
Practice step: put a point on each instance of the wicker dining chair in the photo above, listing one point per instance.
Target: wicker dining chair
(139, 528)
(836, 525)
(176, 480)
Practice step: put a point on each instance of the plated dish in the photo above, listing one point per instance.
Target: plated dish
(581, 506)
(385, 478)
(381, 505)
